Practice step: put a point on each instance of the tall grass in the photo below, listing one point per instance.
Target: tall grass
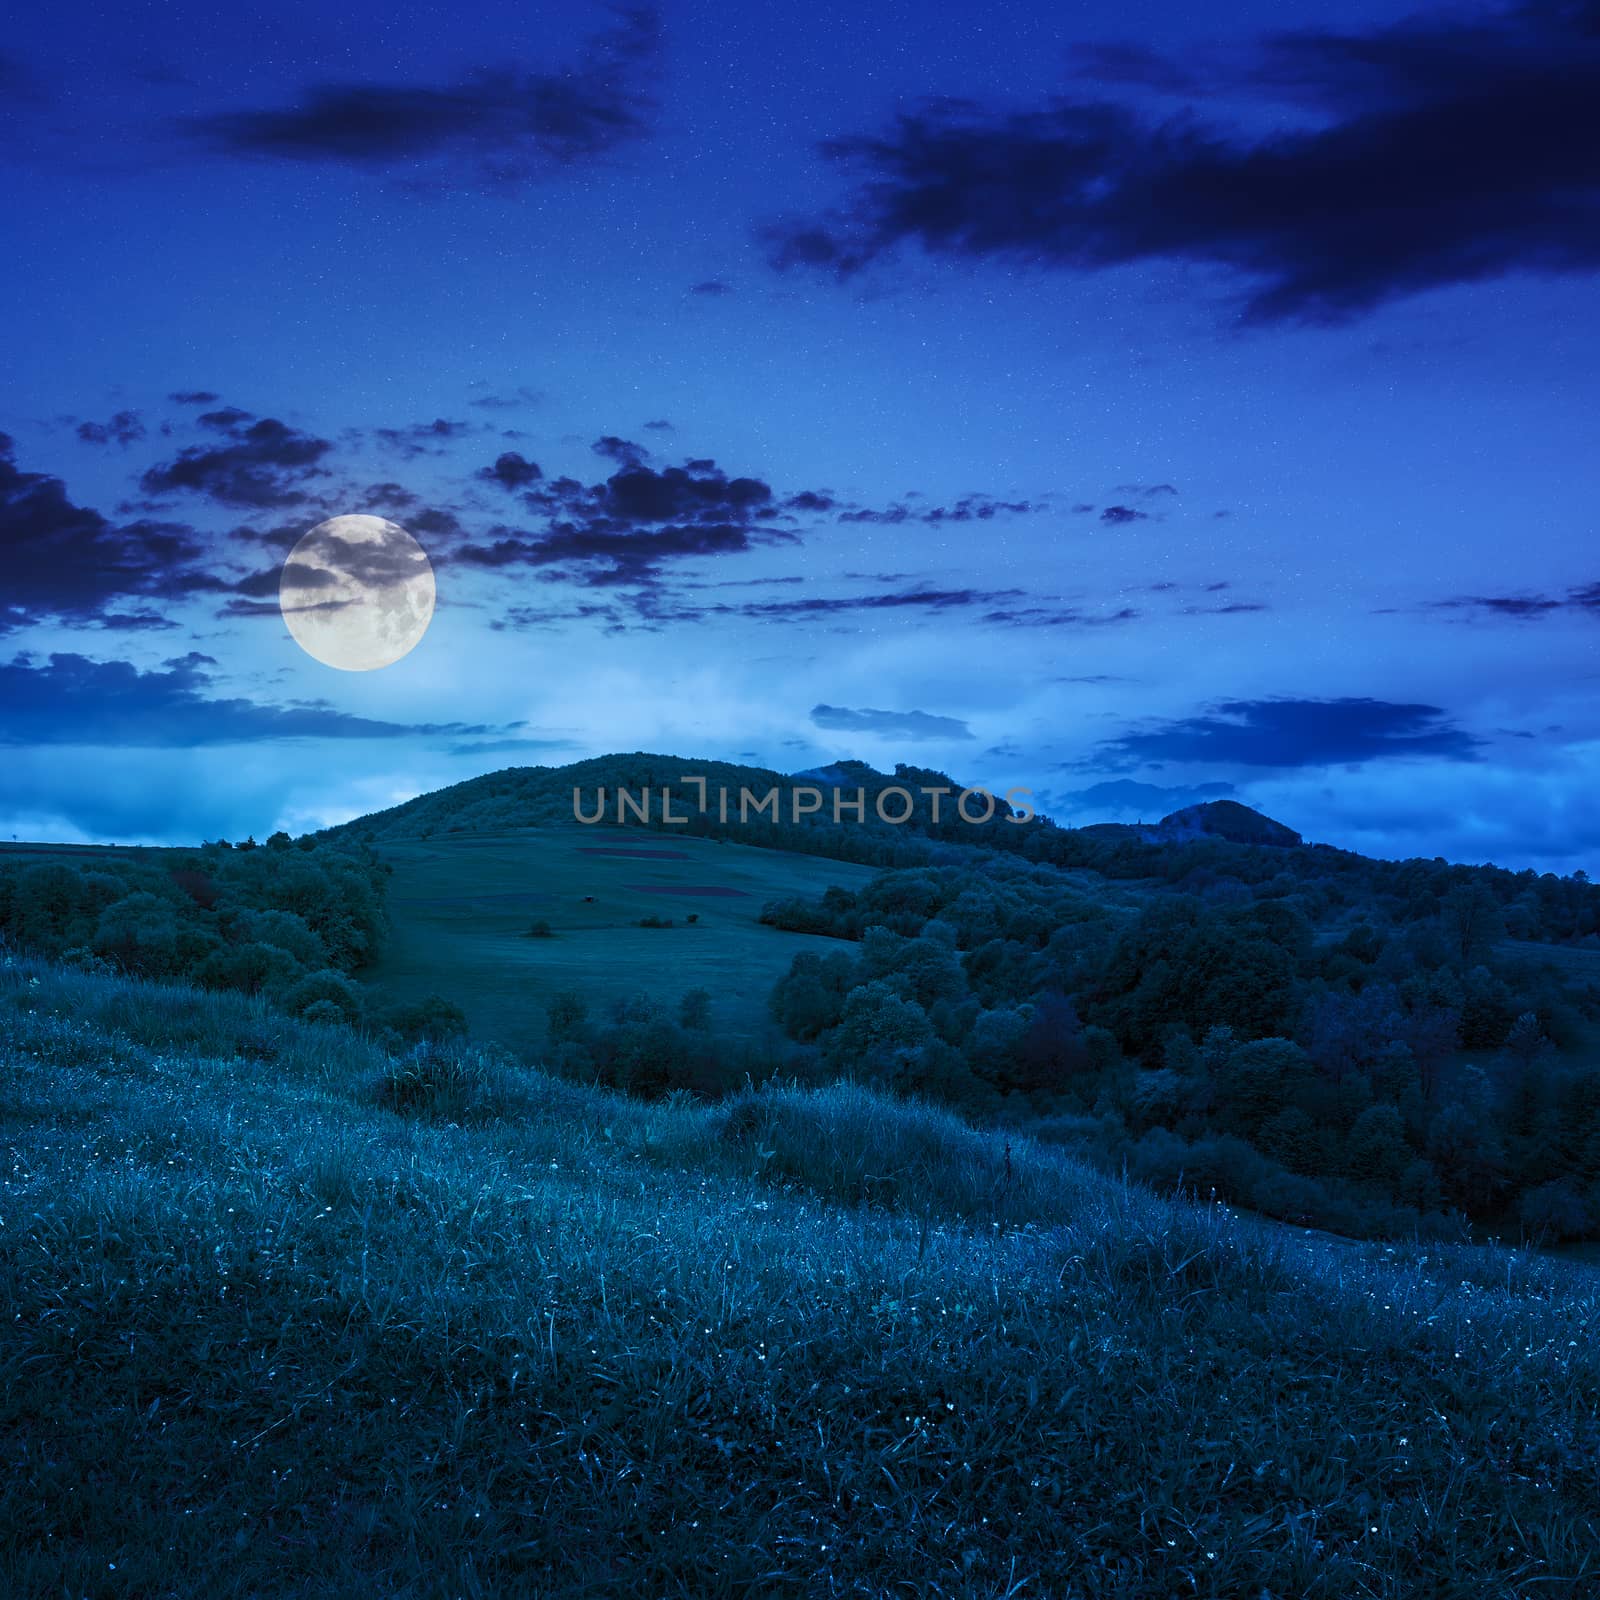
(268, 1329)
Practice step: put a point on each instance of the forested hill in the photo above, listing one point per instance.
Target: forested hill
(1206, 1001)
(1219, 850)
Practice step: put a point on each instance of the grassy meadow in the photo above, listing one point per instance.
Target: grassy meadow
(283, 1315)
(460, 908)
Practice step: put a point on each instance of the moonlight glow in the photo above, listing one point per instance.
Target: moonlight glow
(357, 592)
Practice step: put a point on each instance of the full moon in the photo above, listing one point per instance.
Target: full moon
(357, 592)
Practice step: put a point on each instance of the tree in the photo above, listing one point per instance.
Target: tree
(432, 1019)
(1290, 1137)
(247, 967)
(809, 999)
(140, 933)
(1434, 1035)
(1466, 1151)
(568, 1015)
(1052, 1049)
(1376, 1152)
(879, 1034)
(694, 1010)
(1472, 924)
(1259, 1080)
(1525, 1040)
(1554, 1211)
(995, 1044)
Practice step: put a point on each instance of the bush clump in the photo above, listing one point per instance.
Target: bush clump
(447, 1082)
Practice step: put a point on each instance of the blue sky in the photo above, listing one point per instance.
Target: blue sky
(1072, 395)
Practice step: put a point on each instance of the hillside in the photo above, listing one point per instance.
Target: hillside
(1380, 1049)
(461, 906)
(1227, 819)
(1209, 821)
(287, 1316)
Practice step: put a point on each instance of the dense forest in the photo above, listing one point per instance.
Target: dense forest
(1317, 1048)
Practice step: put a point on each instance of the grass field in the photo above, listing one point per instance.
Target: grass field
(461, 908)
(264, 1335)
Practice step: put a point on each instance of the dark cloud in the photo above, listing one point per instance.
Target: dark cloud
(1299, 733)
(421, 438)
(621, 450)
(194, 397)
(603, 557)
(124, 428)
(500, 124)
(558, 616)
(892, 600)
(660, 425)
(224, 420)
(999, 608)
(699, 490)
(1442, 151)
(1117, 515)
(810, 500)
(389, 496)
(68, 562)
(512, 471)
(1058, 616)
(907, 725)
(435, 522)
(134, 622)
(971, 508)
(624, 530)
(263, 464)
(72, 700)
(713, 288)
(1522, 607)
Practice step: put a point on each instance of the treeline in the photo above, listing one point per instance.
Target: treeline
(290, 921)
(639, 1046)
(1366, 1064)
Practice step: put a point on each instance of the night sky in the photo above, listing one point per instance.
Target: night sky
(1070, 396)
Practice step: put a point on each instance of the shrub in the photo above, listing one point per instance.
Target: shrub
(447, 1082)
(1553, 1212)
(325, 989)
(430, 1019)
